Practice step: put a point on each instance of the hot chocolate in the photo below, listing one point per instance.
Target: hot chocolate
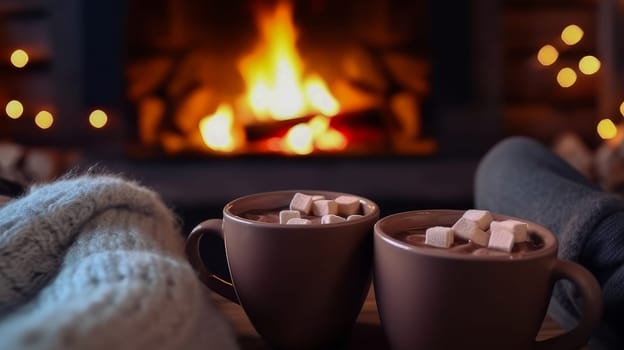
(416, 237)
(310, 209)
(460, 293)
(274, 267)
(272, 215)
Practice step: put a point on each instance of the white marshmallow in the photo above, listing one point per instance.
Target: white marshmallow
(286, 215)
(324, 207)
(354, 217)
(501, 239)
(469, 230)
(483, 218)
(298, 221)
(332, 219)
(317, 197)
(301, 202)
(439, 236)
(518, 228)
(348, 205)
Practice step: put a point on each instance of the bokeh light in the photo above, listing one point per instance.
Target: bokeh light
(589, 65)
(572, 34)
(606, 129)
(98, 119)
(19, 58)
(44, 119)
(14, 109)
(566, 77)
(547, 55)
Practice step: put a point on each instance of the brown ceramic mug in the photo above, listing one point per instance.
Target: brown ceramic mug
(440, 298)
(301, 286)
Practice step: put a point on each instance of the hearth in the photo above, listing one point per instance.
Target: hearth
(165, 78)
(287, 78)
(411, 94)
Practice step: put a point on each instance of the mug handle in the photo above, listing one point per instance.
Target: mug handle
(219, 284)
(590, 291)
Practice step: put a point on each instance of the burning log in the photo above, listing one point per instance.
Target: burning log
(263, 130)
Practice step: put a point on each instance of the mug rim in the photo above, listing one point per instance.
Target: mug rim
(551, 242)
(227, 210)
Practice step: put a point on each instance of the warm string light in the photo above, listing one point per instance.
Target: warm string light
(19, 58)
(44, 120)
(606, 129)
(98, 119)
(547, 55)
(572, 34)
(566, 77)
(14, 109)
(589, 65)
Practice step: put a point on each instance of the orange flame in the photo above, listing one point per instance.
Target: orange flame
(219, 132)
(278, 89)
(273, 73)
(303, 138)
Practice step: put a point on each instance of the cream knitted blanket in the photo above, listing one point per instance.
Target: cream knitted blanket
(97, 262)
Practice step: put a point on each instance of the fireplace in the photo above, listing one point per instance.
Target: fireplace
(421, 91)
(394, 78)
(314, 77)
(409, 79)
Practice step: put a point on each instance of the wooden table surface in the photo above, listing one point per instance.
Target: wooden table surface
(367, 332)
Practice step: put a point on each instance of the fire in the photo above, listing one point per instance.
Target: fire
(304, 137)
(274, 73)
(218, 130)
(278, 89)
(320, 97)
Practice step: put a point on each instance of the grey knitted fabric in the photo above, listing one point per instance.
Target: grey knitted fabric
(521, 177)
(97, 262)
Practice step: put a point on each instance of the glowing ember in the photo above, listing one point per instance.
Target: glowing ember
(319, 96)
(332, 140)
(299, 139)
(219, 131)
(303, 138)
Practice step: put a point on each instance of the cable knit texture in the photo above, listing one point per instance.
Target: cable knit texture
(97, 262)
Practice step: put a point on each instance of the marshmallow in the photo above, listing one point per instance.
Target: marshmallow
(286, 215)
(301, 202)
(483, 218)
(331, 219)
(501, 239)
(469, 230)
(317, 197)
(298, 221)
(354, 217)
(439, 236)
(348, 205)
(518, 228)
(324, 207)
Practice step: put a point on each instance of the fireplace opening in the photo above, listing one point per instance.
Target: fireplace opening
(407, 79)
(210, 78)
(280, 77)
